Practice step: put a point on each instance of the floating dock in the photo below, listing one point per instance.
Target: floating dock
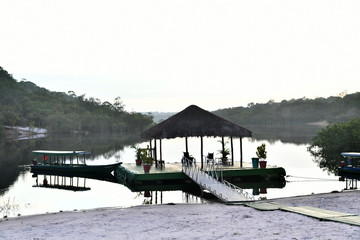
(172, 176)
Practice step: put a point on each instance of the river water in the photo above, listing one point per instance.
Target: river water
(20, 196)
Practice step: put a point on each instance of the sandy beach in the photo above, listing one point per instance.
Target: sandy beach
(191, 221)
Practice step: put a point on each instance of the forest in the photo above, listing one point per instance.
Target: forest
(295, 112)
(22, 103)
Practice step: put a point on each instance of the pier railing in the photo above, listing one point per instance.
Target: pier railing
(189, 167)
(239, 190)
(214, 169)
(211, 179)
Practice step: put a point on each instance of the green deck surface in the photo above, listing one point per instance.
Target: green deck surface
(170, 171)
(319, 213)
(172, 177)
(169, 168)
(174, 171)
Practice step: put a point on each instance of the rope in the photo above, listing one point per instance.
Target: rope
(310, 179)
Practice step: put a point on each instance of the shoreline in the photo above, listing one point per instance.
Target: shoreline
(191, 221)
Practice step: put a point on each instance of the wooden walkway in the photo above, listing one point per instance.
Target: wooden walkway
(319, 213)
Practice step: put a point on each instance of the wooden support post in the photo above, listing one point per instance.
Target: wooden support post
(223, 143)
(160, 150)
(151, 148)
(161, 160)
(232, 151)
(155, 155)
(241, 153)
(202, 151)
(186, 144)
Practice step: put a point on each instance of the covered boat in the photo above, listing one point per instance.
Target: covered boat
(351, 166)
(67, 161)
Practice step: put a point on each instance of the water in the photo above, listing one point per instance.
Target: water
(19, 196)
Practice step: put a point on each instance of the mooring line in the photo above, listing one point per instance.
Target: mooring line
(309, 178)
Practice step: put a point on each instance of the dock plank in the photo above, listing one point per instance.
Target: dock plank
(264, 206)
(352, 220)
(319, 213)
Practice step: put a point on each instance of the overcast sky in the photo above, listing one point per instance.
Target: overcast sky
(165, 55)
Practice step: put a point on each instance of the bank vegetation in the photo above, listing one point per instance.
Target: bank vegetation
(22, 103)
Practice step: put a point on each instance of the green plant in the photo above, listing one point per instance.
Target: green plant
(224, 152)
(146, 156)
(261, 151)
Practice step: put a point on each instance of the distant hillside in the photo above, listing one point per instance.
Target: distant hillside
(161, 116)
(25, 104)
(296, 111)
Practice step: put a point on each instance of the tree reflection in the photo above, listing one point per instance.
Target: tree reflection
(19, 153)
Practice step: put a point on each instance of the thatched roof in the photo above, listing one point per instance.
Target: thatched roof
(195, 122)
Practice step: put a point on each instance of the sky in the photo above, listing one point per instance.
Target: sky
(165, 55)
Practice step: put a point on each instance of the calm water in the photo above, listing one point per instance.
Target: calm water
(19, 196)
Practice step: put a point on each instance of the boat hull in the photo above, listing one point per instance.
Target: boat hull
(43, 168)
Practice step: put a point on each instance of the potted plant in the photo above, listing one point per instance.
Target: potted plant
(262, 154)
(137, 155)
(224, 154)
(146, 159)
(224, 151)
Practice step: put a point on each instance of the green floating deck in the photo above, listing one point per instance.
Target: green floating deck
(172, 172)
(319, 213)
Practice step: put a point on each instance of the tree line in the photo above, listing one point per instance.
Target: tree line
(296, 111)
(25, 104)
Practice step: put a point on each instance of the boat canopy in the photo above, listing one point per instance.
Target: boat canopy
(351, 154)
(60, 153)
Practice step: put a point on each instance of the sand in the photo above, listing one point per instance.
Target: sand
(190, 221)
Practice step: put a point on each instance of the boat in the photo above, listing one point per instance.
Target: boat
(52, 162)
(351, 166)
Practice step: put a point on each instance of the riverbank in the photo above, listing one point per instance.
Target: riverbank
(190, 221)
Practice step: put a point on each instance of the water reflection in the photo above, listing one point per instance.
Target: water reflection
(13, 155)
(96, 176)
(297, 134)
(350, 182)
(157, 197)
(19, 153)
(61, 182)
(16, 183)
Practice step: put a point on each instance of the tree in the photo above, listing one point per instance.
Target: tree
(331, 141)
(2, 131)
(118, 105)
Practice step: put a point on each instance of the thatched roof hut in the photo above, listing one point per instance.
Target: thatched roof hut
(196, 122)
